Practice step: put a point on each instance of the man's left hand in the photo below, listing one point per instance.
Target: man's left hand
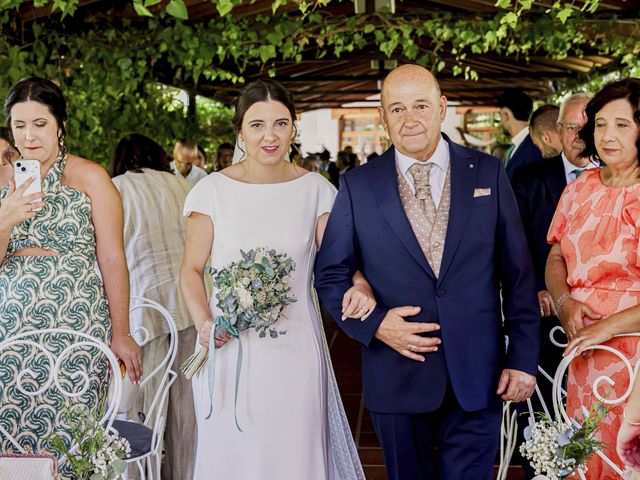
(515, 386)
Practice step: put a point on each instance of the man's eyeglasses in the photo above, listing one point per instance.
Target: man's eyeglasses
(571, 127)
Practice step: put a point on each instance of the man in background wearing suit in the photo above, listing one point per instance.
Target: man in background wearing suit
(515, 109)
(435, 229)
(543, 128)
(538, 188)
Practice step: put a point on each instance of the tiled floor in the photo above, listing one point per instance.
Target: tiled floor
(345, 355)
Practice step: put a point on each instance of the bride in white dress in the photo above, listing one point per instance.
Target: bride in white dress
(289, 408)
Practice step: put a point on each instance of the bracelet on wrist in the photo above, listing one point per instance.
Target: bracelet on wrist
(563, 298)
(624, 414)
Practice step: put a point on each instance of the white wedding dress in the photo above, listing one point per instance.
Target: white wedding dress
(289, 408)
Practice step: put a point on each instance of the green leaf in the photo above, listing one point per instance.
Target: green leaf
(278, 3)
(142, 10)
(504, 4)
(565, 13)
(224, 7)
(149, 3)
(178, 9)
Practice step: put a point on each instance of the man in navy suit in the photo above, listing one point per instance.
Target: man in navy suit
(515, 109)
(538, 188)
(435, 229)
(543, 129)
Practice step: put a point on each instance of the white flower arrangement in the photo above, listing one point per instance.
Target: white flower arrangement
(100, 454)
(555, 449)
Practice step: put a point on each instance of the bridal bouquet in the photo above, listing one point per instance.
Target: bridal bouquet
(556, 450)
(251, 293)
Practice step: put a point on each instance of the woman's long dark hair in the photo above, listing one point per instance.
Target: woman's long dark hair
(135, 152)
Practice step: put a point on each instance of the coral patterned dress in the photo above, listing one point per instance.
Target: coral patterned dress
(598, 229)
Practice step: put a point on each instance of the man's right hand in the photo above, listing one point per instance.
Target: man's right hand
(404, 336)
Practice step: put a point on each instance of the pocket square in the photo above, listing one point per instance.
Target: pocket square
(481, 192)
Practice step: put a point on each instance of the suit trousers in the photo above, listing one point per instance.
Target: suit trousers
(447, 444)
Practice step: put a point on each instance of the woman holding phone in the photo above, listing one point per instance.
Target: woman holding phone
(50, 241)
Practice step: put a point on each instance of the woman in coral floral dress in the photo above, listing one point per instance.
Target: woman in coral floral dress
(593, 270)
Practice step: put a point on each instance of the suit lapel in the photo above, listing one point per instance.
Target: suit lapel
(463, 180)
(555, 179)
(384, 184)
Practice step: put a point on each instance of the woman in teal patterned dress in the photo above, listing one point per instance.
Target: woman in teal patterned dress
(48, 277)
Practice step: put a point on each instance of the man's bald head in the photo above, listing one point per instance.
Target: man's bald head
(409, 72)
(412, 110)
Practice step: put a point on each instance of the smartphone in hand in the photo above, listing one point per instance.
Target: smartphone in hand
(23, 170)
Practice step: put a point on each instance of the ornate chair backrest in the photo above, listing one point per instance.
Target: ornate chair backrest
(164, 369)
(558, 411)
(43, 371)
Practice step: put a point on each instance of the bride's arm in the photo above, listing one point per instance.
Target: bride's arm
(358, 301)
(196, 253)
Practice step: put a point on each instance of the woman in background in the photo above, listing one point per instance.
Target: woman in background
(154, 236)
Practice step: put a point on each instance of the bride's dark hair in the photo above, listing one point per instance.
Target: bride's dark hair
(261, 91)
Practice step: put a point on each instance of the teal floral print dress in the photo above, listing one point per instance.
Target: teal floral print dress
(61, 291)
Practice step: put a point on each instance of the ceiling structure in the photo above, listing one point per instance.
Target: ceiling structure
(355, 77)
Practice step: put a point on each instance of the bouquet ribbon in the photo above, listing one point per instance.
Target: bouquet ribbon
(211, 364)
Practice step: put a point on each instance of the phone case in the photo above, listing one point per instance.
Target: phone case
(25, 169)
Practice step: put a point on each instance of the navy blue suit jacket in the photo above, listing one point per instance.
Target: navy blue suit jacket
(526, 154)
(485, 250)
(538, 188)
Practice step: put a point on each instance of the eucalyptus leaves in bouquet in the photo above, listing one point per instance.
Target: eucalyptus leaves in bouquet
(555, 449)
(100, 454)
(251, 293)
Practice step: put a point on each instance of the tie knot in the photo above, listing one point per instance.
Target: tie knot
(420, 173)
(578, 171)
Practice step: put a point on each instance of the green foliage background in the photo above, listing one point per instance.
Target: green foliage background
(111, 69)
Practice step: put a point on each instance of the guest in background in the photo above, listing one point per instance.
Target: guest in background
(312, 163)
(7, 155)
(185, 162)
(592, 269)
(543, 130)
(154, 236)
(202, 159)
(515, 109)
(48, 277)
(224, 155)
(538, 188)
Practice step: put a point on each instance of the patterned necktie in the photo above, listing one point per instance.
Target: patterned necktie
(420, 173)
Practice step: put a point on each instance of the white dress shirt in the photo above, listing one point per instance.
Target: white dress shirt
(518, 138)
(194, 176)
(570, 168)
(154, 236)
(440, 160)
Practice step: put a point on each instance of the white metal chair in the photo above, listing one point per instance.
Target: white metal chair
(146, 437)
(34, 384)
(558, 410)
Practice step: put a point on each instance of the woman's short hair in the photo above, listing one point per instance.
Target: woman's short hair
(135, 152)
(628, 89)
(261, 91)
(35, 89)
